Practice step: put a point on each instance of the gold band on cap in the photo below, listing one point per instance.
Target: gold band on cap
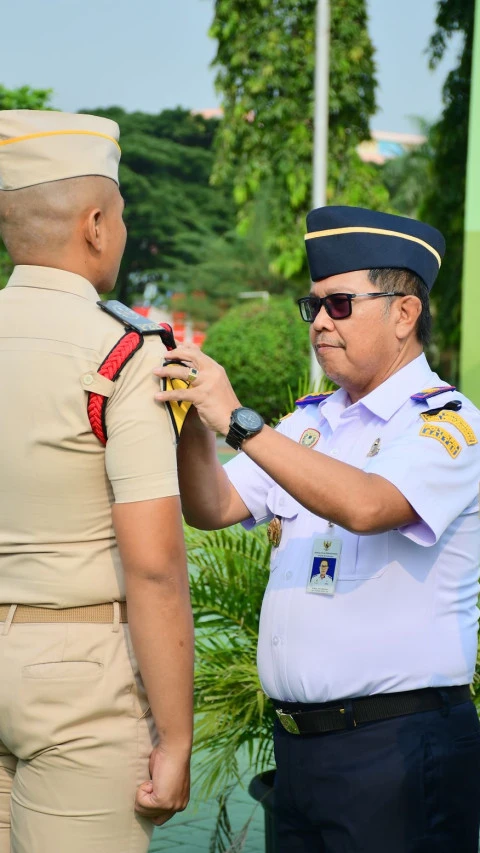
(361, 230)
(59, 133)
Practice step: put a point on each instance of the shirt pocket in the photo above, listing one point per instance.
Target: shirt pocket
(371, 557)
(281, 505)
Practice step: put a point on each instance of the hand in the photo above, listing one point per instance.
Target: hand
(168, 791)
(210, 392)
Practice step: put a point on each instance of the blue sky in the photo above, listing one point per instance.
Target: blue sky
(152, 54)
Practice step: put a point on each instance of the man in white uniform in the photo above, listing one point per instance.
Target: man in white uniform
(377, 748)
(322, 580)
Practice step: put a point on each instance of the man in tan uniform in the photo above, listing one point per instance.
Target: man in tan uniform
(87, 761)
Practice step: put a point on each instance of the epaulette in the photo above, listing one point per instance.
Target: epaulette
(130, 318)
(312, 398)
(421, 396)
(434, 418)
(131, 341)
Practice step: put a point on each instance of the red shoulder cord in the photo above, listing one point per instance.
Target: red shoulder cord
(111, 367)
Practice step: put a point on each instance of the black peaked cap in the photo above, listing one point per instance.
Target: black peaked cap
(343, 239)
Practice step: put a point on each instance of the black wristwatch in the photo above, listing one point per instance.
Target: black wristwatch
(243, 424)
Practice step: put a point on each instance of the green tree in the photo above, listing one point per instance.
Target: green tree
(229, 265)
(408, 177)
(264, 348)
(23, 98)
(172, 211)
(266, 59)
(171, 208)
(444, 201)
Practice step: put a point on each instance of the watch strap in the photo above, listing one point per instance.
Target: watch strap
(235, 437)
(237, 433)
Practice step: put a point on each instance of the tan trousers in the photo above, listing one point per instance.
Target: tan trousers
(75, 739)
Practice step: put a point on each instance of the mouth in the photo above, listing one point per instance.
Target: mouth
(323, 346)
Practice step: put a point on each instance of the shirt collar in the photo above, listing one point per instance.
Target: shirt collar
(385, 400)
(388, 397)
(50, 278)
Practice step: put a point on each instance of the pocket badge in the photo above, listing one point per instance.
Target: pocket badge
(309, 437)
(274, 531)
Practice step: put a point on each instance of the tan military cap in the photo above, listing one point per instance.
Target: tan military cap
(37, 146)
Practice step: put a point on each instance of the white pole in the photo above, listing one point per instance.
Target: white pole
(320, 138)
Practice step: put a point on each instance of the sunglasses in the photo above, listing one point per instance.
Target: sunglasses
(338, 305)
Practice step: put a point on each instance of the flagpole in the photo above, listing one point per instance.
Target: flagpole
(320, 137)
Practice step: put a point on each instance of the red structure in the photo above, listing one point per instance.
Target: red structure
(182, 329)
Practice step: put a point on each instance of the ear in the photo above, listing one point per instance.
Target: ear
(93, 229)
(408, 310)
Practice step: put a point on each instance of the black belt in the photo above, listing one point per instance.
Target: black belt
(303, 719)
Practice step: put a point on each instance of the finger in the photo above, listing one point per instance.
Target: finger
(159, 821)
(172, 371)
(151, 810)
(178, 396)
(147, 804)
(144, 795)
(187, 351)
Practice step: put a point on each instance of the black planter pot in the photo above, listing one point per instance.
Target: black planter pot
(261, 789)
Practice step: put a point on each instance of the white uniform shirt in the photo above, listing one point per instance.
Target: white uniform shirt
(404, 612)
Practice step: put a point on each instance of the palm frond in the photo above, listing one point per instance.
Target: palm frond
(304, 387)
(228, 572)
(233, 713)
(222, 834)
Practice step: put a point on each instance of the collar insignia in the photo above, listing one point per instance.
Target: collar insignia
(312, 398)
(421, 396)
(374, 448)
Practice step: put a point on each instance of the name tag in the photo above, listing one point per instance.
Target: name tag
(324, 565)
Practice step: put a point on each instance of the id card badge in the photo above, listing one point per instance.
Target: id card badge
(324, 565)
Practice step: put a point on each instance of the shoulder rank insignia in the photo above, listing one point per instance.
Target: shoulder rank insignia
(446, 415)
(451, 445)
(421, 396)
(130, 318)
(312, 398)
(136, 327)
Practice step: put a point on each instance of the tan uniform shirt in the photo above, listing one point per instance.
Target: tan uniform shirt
(58, 482)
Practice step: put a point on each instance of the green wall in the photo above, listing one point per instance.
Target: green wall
(470, 345)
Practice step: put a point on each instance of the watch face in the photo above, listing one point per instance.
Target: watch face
(249, 419)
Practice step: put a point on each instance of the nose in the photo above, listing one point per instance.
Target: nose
(322, 321)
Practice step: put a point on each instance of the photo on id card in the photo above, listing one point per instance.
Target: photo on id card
(324, 566)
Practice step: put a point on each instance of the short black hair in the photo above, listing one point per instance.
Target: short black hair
(411, 284)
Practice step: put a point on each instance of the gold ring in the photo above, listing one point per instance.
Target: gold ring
(192, 375)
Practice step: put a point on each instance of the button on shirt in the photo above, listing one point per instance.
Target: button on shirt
(58, 482)
(404, 613)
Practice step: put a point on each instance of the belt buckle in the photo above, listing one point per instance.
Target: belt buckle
(343, 711)
(287, 722)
